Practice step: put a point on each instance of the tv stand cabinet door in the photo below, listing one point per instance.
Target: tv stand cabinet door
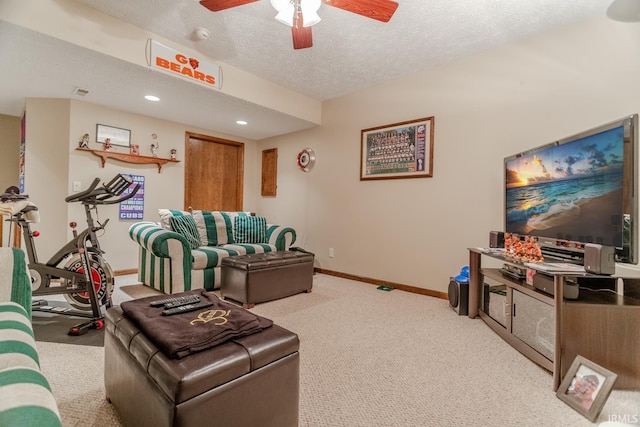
(606, 335)
(534, 323)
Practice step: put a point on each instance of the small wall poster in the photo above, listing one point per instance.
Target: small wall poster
(133, 208)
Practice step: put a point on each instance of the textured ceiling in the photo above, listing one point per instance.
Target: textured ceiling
(349, 52)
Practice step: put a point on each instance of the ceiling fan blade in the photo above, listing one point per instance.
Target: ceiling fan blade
(380, 10)
(218, 5)
(301, 35)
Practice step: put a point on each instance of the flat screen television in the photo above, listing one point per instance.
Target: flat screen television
(581, 189)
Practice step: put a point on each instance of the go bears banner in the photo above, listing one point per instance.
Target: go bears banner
(187, 67)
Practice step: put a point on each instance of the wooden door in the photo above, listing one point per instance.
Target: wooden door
(214, 170)
(269, 172)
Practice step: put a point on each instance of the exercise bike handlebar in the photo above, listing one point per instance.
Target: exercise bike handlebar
(83, 194)
(105, 194)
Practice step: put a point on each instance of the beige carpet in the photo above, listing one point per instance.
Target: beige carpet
(134, 292)
(372, 358)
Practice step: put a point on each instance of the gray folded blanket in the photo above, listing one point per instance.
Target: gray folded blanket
(183, 334)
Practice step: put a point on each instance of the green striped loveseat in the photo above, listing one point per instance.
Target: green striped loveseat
(169, 261)
(25, 395)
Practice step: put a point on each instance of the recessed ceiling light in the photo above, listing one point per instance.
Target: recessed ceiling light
(241, 122)
(151, 98)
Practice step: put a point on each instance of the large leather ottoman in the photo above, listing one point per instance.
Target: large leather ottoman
(255, 278)
(249, 381)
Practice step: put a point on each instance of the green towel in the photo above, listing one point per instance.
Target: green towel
(15, 283)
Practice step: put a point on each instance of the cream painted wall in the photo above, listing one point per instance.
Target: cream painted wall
(46, 169)
(416, 231)
(54, 128)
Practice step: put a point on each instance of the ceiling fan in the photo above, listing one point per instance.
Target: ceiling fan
(300, 15)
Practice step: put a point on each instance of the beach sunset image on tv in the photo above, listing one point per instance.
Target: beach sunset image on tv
(569, 191)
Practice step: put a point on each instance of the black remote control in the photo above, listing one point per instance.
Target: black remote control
(191, 300)
(186, 308)
(161, 302)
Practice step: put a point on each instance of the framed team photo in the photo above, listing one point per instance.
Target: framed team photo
(399, 150)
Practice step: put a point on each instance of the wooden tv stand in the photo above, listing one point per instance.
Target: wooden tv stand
(601, 325)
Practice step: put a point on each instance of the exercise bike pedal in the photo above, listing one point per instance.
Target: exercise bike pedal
(83, 328)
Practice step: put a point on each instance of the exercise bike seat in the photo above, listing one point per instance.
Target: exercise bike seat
(29, 209)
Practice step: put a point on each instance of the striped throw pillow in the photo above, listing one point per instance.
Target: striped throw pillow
(186, 226)
(250, 229)
(166, 214)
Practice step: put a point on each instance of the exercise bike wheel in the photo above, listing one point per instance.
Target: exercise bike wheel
(102, 276)
(36, 280)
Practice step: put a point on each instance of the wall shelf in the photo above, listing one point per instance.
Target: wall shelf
(129, 158)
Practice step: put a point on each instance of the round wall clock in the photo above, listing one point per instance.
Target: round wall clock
(306, 159)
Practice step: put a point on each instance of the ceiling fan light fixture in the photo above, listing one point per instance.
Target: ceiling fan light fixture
(286, 11)
(310, 17)
(624, 10)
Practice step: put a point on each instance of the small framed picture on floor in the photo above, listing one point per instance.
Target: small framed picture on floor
(586, 387)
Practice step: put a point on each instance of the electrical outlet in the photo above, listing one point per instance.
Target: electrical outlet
(77, 185)
(331, 253)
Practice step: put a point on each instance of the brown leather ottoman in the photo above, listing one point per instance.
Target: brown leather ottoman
(249, 381)
(255, 278)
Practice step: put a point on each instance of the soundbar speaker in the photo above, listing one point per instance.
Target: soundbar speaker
(599, 259)
(496, 239)
(459, 297)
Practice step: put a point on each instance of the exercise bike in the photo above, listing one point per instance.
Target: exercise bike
(78, 269)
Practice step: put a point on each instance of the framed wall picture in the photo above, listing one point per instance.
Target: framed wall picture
(586, 387)
(399, 150)
(117, 136)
